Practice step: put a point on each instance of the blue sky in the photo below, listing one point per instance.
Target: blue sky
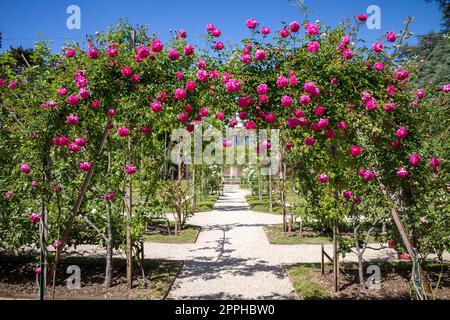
(22, 22)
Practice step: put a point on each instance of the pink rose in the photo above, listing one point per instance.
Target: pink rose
(260, 55)
(252, 24)
(284, 32)
(173, 54)
(309, 141)
(265, 31)
(130, 169)
(93, 53)
(127, 72)
(191, 86)
(313, 46)
(377, 47)
(72, 120)
(402, 173)
(70, 53)
(355, 150)
(123, 132)
(157, 45)
(294, 26)
(323, 178)
(401, 133)
(85, 166)
(180, 94)
(286, 101)
(414, 159)
(24, 168)
(391, 37)
(270, 118)
(188, 50)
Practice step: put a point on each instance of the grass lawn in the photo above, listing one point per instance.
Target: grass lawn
(275, 235)
(187, 235)
(206, 204)
(305, 285)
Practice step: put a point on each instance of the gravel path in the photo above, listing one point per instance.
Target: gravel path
(230, 259)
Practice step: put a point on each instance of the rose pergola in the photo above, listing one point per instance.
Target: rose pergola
(82, 128)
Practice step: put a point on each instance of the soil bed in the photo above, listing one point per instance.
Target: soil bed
(17, 279)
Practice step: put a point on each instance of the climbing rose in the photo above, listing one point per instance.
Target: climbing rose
(143, 52)
(232, 85)
(24, 168)
(111, 113)
(313, 46)
(347, 54)
(156, 106)
(342, 125)
(305, 100)
(284, 32)
(84, 93)
(9, 195)
(220, 116)
(191, 86)
(391, 90)
(391, 37)
(219, 45)
(111, 52)
(73, 100)
(357, 199)
(323, 178)
(62, 91)
(110, 196)
(130, 169)
(123, 132)
(85, 166)
(216, 32)
(252, 23)
(173, 54)
(401, 133)
(93, 53)
(34, 184)
(180, 94)
(298, 113)
(202, 75)
(348, 195)
(282, 82)
(95, 104)
(362, 17)
(260, 55)
(420, 94)
(35, 217)
(401, 74)
(286, 101)
(74, 148)
(81, 142)
(183, 117)
(270, 118)
(389, 107)
(379, 66)
(265, 31)
(355, 150)
(414, 159)
(250, 125)
(402, 173)
(294, 26)
(434, 164)
(262, 89)
(203, 112)
(72, 120)
(135, 78)
(319, 111)
(157, 45)
(369, 175)
(309, 141)
(246, 58)
(127, 72)
(377, 46)
(70, 53)
(188, 50)
(311, 28)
